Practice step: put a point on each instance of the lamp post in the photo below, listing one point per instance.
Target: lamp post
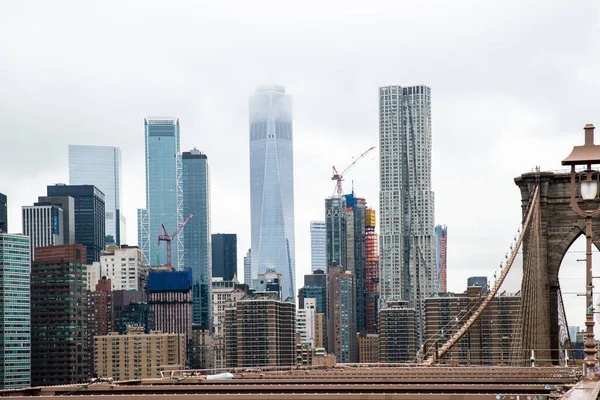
(586, 155)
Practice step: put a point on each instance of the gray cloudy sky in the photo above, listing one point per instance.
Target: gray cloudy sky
(513, 83)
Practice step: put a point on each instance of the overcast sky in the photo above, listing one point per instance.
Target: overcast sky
(513, 83)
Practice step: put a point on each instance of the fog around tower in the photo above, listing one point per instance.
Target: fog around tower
(513, 83)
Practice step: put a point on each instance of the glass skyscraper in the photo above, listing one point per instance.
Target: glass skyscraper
(406, 202)
(196, 239)
(224, 255)
(318, 248)
(101, 166)
(272, 184)
(3, 214)
(164, 195)
(15, 312)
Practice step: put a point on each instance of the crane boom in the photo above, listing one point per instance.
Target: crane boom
(339, 176)
(165, 237)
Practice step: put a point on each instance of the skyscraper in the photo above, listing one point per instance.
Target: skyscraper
(101, 166)
(89, 216)
(67, 203)
(248, 268)
(44, 224)
(170, 299)
(196, 240)
(341, 314)
(355, 255)
(441, 240)
(318, 248)
(406, 202)
(59, 334)
(224, 255)
(3, 214)
(372, 271)
(15, 312)
(272, 184)
(164, 195)
(335, 220)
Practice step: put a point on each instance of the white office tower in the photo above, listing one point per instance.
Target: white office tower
(407, 234)
(272, 185)
(101, 166)
(123, 266)
(318, 247)
(305, 322)
(44, 224)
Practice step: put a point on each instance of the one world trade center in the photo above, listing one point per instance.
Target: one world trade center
(272, 185)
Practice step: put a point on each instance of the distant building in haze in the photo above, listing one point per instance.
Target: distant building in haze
(101, 166)
(196, 234)
(164, 195)
(272, 184)
(441, 236)
(89, 216)
(59, 332)
(248, 268)
(224, 255)
(15, 312)
(406, 201)
(3, 214)
(318, 248)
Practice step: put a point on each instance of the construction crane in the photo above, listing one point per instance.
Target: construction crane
(165, 237)
(339, 176)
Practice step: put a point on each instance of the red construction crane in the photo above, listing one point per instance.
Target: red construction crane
(339, 177)
(166, 238)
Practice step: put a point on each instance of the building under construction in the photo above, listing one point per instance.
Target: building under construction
(372, 271)
(492, 340)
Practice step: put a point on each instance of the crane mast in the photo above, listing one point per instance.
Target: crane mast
(165, 237)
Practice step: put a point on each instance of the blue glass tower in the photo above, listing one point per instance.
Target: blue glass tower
(163, 192)
(272, 184)
(196, 241)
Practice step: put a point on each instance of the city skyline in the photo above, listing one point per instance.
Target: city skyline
(486, 112)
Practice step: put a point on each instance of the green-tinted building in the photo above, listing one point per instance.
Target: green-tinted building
(15, 313)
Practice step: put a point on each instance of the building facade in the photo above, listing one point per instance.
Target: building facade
(100, 315)
(318, 247)
(306, 323)
(67, 204)
(225, 295)
(335, 221)
(224, 256)
(368, 348)
(44, 224)
(248, 268)
(341, 323)
(170, 300)
(372, 272)
(123, 266)
(398, 340)
(164, 195)
(138, 355)
(406, 202)
(90, 216)
(101, 166)
(441, 241)
(130, 309)
(15, 312)
(261, 332)
(196, 239)
(3, 213)
(272, 184)
(59, 332)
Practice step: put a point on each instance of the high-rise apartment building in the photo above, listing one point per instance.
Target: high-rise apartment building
(341, 314)
(170, 299)
(356, 255)
(3, 214)
(261, 332)
(306, 322)
(122, 266)
(164, 195)
(368, 348)
(272, 184)
(224, 256)
(15, 312)
(100, 314)
(44, 224)
(131, 310)
(138, 355)
(398, 340)
(59, 332)
(196, 240)
(248, 268)
(318, 247)
(89, 214)
(406, 202)
(372, 272)
(225, 295)
(101, 166)
(441, 243)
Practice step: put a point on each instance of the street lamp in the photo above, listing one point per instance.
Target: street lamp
(586, 155)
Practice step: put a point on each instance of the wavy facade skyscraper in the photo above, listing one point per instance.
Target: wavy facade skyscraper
(272, 184)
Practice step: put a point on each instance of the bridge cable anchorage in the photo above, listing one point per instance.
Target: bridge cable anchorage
(533, 206)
